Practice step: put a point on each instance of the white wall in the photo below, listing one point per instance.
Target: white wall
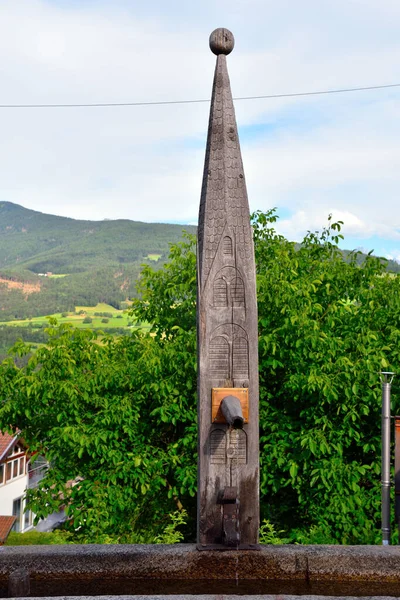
(11, 491)
(14, 489)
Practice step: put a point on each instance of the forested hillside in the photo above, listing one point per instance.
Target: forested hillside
(39, 242)
(50, 264)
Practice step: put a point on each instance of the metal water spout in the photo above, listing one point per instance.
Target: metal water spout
(232, 411)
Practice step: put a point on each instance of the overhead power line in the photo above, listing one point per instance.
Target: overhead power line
(166, 102)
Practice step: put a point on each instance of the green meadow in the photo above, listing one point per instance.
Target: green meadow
(102, 316)
(154, 257)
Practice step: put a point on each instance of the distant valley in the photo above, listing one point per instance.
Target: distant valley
(50, 264)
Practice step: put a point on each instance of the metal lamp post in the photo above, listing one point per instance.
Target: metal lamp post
(386, 380)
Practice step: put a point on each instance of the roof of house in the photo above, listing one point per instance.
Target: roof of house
(6, 524)
(6, 441)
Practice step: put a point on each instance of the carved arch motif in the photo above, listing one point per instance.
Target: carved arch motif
(220, 293)
(237, 447)
(229, 353)
(227, 246)
(219, 357)
(228, 289)
(237, 292)
(240, 358)
(218, 447)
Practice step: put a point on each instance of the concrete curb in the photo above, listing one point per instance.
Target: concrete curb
(170, 569)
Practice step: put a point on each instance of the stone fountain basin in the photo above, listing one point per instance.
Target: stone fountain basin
(180, 569)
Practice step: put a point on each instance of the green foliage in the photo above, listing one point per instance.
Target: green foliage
(87, 320)
(328, 323)
(167, 298)
(315, 535)
(27, 329)
(268, 535)
(109, 285)
(327, 327)
(172, 535)
(38, 538)
(9, 335)
(119, 418)
(113, 419)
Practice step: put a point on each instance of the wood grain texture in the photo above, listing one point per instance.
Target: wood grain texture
(226, 323)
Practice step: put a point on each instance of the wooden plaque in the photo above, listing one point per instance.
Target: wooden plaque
(218, 394)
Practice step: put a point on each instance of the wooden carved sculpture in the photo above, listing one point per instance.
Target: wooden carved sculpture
(228, 479)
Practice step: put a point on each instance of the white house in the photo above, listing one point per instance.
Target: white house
(14, 480)
(16, 475)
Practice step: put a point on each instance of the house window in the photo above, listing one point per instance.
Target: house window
(17, 450)
(1, 474)
(27, 519)
(16, 511)
(14, 468)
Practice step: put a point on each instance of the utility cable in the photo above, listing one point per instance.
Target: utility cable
(166, 102)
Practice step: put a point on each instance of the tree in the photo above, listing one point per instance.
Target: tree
(167, 297)
(327, 327)
(328, 323)
(119, 417)
(111, 419)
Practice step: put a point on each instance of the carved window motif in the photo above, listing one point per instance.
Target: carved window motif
(218, 447)
(237, 291)
(229, 289)
(220, 293)
(240, 358)
(242, 447)
(219, 358)
(227, 246)
(237, 449)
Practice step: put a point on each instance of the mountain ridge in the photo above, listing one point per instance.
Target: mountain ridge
(41, 242)
(64, 262)
(95, 261)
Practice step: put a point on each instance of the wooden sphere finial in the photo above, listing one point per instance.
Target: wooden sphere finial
(222, 41)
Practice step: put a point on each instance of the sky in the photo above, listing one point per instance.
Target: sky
(309, 157)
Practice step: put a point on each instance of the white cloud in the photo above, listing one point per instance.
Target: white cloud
(347, 162)
(309, 155)
(297, 225)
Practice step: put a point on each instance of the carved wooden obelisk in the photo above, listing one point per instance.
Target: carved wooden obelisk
(228, 478)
